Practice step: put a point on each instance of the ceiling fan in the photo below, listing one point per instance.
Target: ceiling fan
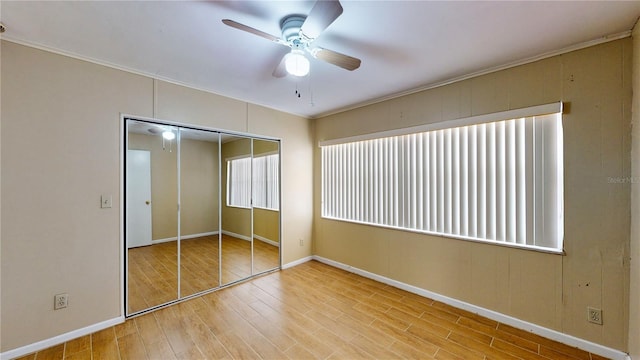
(298, 33)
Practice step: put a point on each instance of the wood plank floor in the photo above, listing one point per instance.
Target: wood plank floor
(153, 270)
(311, 311)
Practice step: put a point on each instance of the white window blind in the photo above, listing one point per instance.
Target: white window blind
(265, 182)
(265, 187)
(499, 181)
(239, 182)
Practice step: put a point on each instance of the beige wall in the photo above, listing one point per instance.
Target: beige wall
(261, 147)
(634, 298)
(55, 237)
(266, 224)
(546, 289)
(198, 187)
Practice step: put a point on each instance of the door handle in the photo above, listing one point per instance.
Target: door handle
(147, 202)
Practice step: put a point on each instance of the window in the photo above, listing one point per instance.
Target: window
(496, 181)
(265, 182)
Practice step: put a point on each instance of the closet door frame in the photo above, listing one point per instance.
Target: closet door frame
(124, 268)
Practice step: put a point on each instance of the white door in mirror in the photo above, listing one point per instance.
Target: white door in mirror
(138, 209)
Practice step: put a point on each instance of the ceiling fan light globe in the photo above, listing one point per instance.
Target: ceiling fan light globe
(168, 135)
(296, 64)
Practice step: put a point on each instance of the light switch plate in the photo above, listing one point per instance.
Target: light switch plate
(105, 201)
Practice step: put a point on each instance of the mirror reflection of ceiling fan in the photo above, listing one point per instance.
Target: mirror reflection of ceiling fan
(298, 33)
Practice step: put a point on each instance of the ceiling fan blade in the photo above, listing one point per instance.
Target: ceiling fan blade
(251, 30)
(344, 61)
(323, 13)
(280, 70)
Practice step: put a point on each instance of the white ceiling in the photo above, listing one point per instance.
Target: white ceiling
(403, 45)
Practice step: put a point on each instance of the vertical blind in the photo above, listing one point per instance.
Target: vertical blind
(239, 182)
(499, 181)
(264, 189)
(265, 182)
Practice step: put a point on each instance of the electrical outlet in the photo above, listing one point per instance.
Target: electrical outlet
(60, 301)
(301, 242)
(594, 315)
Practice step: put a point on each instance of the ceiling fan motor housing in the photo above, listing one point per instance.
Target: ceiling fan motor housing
(291, 29)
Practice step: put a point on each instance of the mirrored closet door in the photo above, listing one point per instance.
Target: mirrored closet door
(199, 211)
(152, 216)
(266, 205)
(202, 211)
(236, 209)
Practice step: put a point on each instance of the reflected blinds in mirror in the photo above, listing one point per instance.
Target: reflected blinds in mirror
(266, 182)
(263, 190)
(239, 182)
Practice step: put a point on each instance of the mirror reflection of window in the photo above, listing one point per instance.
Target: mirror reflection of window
(239, 182)
(266, 194)
(255, 179)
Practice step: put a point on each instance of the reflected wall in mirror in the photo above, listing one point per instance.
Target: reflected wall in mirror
(151, 208)
(199, 215)
(266, 205)
(236, 208)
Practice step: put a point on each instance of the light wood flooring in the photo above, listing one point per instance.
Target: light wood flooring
(153, 270)
(311, 311)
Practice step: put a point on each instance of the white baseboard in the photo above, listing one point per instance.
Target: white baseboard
(184, 237)
(229, 233)
(47, 343)
(297, 262)
(502, 318)
(238, 236)
(265, 240)
(195, 236)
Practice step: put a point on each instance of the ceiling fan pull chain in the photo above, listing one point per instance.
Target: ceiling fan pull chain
(310, 91)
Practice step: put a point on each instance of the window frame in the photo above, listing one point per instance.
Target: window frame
(536, 111)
